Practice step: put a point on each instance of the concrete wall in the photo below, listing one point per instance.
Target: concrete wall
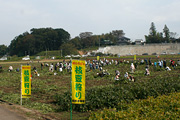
(169, 48)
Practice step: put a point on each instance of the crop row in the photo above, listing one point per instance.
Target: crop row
(110, 95)
(162, 107)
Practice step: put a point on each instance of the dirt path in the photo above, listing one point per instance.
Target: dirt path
(10, 111)
(12, 62)
(6, 114)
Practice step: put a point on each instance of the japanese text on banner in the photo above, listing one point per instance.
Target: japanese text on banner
(78, 82)
(26, 82)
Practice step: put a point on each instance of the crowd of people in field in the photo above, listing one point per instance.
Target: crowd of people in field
(99, 65)
(162, 64)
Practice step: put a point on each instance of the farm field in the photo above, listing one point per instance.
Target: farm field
(106, 98)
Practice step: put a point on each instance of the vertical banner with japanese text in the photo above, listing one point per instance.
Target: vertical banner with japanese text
(134, 57)
(26, 81)
(78, 81)
(97, 58)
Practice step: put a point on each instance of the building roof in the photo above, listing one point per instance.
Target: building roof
(124, 38)
(138, 40)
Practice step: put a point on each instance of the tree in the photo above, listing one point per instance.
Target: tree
(152, 30)
(38, 40)
(76, 42)
(3, 50)
(68, 49)
(153, 36)
(87, 39)
(159, 37)
(118, 33)
(84, 35)
(173, 35)
(166, 34)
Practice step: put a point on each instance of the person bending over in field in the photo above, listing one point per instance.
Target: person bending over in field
(117, 72)
(100, 68)
(69, 67)
(42, 64)
(178, 62)
(46, 64)
(172, 63)
(105, 72)
(168, 69)
(10, 68)
(34, 68)
(131, 78)
(135, 64)
(36, 73)
(142, 62)
(164, 64)
(160, 64)
(17, 70)
(155, 65)
(51, 68)
(126, 75)
(147, 72)
(117, 77)
(150, 61)
(100, 74)
(1, 68)
(146, 61)
(132, 68)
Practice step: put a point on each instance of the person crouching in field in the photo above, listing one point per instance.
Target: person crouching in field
(1, 68)
(36, 73)
(164, 63)
(178, 62)
(51, 68)
(172, 63)
(129, 77)
(42, 64)
(117, 77)
(160, 64)
(168, 69)
(132, 68)
(126, 75)
(155, 65)
(135, 64)
(117, 72)
(10, 68)
(147, 72)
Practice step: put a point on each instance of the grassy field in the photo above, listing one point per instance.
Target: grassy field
(51, 93)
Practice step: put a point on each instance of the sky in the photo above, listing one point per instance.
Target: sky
(134, 17)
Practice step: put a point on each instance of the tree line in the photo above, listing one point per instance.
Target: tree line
(48, 39)
(87, 40)
(38, 40)
(161, 37)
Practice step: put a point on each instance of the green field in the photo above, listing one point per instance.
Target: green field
(105, 97)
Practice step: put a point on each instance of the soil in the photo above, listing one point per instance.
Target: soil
(11, 111)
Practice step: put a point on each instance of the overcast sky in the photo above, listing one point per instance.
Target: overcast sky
(97, 16)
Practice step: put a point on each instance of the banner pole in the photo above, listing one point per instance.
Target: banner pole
(21, 85)
(71, 91)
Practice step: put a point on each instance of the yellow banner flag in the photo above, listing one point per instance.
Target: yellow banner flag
(98, 58)
(78, 82)
(134, 57)
(26, 81)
